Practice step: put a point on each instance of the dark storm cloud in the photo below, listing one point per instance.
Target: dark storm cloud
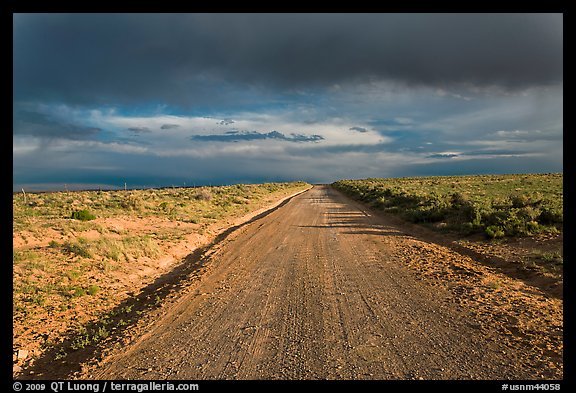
(197, 58)
(169, 126)
(235, 136)
(38, 124)
(358, 129)
(482, 166)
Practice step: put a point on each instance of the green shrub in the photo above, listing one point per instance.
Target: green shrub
(533, 226)
(83, 215)
(529, 213)
(457, 200)
(79, 248)
(78, 292)
(100, 333)
(468, 228)
(514, 226)
(494, 232)
(81, 341)
(496, 205)
(549, 216)
(93, 289)
(519, 201)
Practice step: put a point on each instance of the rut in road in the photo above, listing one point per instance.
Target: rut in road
(315, 290)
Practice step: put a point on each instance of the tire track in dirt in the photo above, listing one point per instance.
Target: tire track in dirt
(321, 289)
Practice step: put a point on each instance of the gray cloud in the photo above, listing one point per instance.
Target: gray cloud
(225, 122)
(497, 152)
(189, 59)
(169, 126)
(443, 155)
(358, 129)
(138, 130)
(235, 136)
(526, 135)
(28, 122)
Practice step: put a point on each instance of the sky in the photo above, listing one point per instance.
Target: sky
(152, 100)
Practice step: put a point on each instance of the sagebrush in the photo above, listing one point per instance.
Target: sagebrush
(496, 205)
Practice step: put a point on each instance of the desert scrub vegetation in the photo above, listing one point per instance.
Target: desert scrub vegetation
(174, 203)
(495, 205)
(77, 255)
(83, 215)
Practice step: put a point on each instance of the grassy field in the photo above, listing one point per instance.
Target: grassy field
(495, 205)
(182, 204)
(77, 255)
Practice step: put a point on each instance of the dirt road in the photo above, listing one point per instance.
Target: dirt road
(321, 289)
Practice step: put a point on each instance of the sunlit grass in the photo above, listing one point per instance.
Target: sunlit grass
(497, 205)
